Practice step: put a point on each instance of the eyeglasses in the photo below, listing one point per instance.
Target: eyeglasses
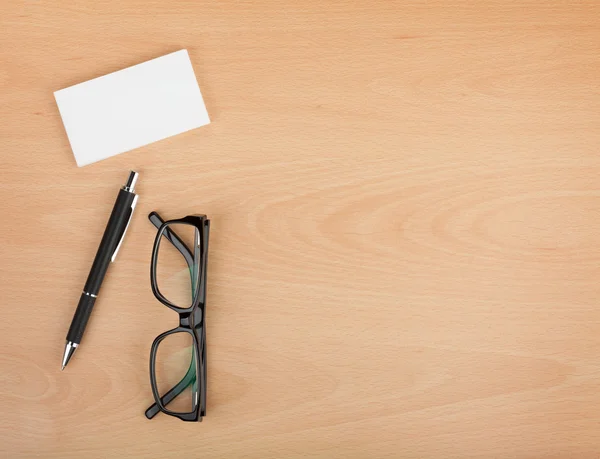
(178, 280)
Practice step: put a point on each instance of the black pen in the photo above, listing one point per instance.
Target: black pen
(109, 246)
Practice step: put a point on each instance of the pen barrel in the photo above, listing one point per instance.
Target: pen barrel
(81, 317)
(110, 240)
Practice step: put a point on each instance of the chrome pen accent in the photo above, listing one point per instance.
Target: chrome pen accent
(131, 181)
(69, 350)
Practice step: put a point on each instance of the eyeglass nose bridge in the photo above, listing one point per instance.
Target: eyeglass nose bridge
(184, 320)
(191, 319)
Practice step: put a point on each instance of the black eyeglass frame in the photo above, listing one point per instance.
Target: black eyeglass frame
(191, 319)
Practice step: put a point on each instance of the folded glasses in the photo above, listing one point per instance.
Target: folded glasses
(178, 280)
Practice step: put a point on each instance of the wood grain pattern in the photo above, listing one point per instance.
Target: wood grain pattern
(405, 245)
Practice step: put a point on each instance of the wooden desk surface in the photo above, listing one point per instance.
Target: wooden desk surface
(405, 249)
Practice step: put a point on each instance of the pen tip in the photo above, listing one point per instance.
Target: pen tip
(69, 350)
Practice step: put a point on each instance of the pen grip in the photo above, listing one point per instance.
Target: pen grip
(80, 320)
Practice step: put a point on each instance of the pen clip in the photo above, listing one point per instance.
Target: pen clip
(133, 204)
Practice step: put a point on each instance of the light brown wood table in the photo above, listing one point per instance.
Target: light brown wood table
(405, 243)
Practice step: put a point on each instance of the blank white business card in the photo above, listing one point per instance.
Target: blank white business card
(131, 108)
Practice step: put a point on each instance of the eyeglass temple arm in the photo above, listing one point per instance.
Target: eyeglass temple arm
(157, 221)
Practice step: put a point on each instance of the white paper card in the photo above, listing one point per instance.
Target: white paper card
(133, 107)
